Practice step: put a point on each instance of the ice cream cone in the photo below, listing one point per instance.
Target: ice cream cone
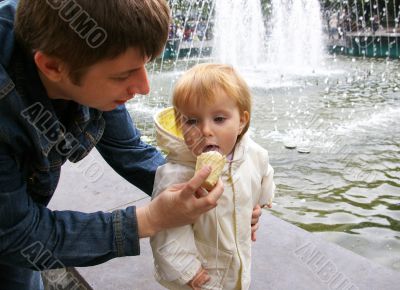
(217, 163)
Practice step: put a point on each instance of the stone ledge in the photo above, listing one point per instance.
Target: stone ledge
(284, 256)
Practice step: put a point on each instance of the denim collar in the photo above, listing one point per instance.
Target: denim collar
(7, 13)
(82, 115)
(6, 84)
(26, 80)
(28, 84)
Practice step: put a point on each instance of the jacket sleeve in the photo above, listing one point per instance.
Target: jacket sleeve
(126, 153)
(32, 236)
(174, 250)
(267, 183)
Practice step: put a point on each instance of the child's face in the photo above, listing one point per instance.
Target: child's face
(213, 127)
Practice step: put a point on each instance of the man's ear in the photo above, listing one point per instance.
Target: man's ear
(52, 67)
(244, 120)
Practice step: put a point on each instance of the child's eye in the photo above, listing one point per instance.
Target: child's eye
(191, 122)
(219, 119)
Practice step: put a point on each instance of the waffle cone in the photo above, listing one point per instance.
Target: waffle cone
(217, 163)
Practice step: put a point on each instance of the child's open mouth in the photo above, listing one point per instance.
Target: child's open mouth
(211, 148)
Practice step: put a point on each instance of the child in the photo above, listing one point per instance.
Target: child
(212, 106)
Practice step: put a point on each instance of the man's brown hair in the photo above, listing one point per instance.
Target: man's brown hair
(84, 32)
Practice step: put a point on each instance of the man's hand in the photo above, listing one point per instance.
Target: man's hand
(254, 221)
(178, 205)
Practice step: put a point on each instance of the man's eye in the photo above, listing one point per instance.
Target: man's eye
(120, 78)
(219, 119)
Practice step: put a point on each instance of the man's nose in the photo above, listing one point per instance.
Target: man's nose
(140, 83)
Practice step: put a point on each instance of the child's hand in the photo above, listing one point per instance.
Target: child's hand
(199, 280)
(254, 221)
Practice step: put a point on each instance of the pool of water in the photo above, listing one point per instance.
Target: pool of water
(347, 116)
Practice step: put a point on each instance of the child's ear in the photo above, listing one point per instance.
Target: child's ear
(244, 120)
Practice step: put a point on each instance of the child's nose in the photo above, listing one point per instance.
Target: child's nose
(206, 129)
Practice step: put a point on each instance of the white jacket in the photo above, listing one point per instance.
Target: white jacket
(179, 252)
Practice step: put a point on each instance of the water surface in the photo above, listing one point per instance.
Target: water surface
(347, 114)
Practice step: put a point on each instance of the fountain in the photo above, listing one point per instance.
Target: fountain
(239, 33)
(295, 40)
(346, 109)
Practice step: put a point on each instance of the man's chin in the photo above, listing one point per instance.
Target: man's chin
(105, 108)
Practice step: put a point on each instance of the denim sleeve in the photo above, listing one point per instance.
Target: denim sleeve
(122, 148)
(32, 236)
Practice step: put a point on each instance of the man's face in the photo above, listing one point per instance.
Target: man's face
(109, 83)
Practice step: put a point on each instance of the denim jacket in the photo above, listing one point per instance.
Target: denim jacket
(34, 143)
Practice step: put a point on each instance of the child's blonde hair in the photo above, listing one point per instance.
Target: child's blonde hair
(199, 85)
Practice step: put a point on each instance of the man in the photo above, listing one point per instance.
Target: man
(66, 69)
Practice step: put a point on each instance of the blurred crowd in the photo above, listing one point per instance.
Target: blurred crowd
(190, 30)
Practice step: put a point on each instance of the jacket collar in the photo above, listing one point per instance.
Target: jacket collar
(18, 72)
(170, 140)
(6, 84)
(38, 107)
(48, 130)
(7, 15)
